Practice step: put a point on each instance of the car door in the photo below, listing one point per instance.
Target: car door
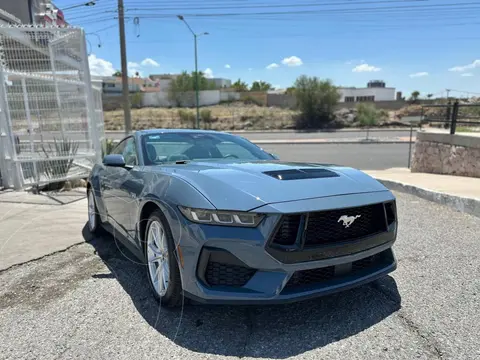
(116, 200)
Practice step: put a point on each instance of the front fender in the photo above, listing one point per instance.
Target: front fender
(167, 194)
(94, 181)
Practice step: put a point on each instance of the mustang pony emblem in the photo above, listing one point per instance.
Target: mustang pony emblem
(348, 220)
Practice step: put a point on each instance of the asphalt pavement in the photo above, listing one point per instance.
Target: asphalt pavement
(92, 302)
(360, 156)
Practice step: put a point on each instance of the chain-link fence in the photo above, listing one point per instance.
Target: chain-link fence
(51, 118)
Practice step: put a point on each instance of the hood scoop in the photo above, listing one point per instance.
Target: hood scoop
(299, 174)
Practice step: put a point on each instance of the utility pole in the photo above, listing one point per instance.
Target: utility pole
(195, 36)
(123, 56)
(197, 101)
(448, 93)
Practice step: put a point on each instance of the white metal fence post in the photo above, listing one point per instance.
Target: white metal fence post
(13, 174)
(30, 129)
(57, 92)
(92, 119)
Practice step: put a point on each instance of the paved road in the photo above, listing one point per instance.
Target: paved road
(360, 156)
(92, 302)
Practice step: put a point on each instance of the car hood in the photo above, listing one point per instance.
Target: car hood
(245, 186)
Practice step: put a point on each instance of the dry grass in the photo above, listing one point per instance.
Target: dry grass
(235, 116)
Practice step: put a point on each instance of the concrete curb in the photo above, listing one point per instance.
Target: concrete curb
(468, 205)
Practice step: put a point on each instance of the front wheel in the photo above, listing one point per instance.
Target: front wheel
(162, 266)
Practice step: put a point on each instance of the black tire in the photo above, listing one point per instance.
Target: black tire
(97, 228)
(173, 296)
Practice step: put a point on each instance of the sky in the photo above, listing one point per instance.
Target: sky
(424, 45)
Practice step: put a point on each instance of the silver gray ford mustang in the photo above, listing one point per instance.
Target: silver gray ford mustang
(219, 220)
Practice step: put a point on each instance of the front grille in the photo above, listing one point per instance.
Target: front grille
(325, 227)
(332, 226)
(220, 274)
(357, 268)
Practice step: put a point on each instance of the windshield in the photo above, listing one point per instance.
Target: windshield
(159, 148)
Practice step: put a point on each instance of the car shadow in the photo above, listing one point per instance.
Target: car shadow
(274, 331)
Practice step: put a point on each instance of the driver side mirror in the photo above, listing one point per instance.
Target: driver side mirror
(275, 156)
(116, 160)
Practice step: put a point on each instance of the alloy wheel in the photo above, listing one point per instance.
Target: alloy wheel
(157, 254)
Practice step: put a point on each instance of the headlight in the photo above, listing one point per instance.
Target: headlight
(227, 218)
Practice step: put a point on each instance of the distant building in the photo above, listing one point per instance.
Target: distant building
(36, 12)
(376, 90)
(113, 84)
(221, 82)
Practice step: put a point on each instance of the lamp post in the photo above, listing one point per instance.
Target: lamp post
(195, 36)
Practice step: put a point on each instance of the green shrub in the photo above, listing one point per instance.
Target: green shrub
(107, 146)
(367, 114)
(187, 116)
(136, 100)
(206, 116)
(316, 100)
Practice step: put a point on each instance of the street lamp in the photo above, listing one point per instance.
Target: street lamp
(88, 3)
(195, 36)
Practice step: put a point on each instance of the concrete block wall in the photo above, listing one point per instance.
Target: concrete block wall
(441, 153)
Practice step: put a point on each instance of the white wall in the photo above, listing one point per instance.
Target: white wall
(160, 99)
(229, 96)
(381, 94)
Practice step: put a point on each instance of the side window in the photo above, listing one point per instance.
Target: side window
(130, 152)
(118, 150)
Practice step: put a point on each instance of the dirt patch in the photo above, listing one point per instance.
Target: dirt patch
(234, 116)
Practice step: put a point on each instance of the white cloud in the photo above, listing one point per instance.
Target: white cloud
(149, 62)
(473, 65)
(133, 65)
(208, 73)
(292, 61)
(227, 66)
(467, 74)
(272, 66)
(419, 74)
(365, 68)
(100, 67)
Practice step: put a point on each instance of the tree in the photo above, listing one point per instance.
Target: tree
(290, 90)
(185, 83)
(117, 73)
(429, 96)
(415, 95)
(261, 86)
(316, 100)
(240, 86)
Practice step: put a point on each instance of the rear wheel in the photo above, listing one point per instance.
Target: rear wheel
(162, 266)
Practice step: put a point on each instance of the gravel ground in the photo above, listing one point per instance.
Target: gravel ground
(92, 302)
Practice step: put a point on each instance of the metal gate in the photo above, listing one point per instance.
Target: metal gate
(51, 128)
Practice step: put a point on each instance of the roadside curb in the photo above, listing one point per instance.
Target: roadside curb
(467, 205)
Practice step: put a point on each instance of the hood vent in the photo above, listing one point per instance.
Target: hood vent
(297, 174)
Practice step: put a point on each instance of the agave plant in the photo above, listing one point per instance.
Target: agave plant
(59, 158)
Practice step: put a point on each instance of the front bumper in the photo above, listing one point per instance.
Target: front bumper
(237, 265)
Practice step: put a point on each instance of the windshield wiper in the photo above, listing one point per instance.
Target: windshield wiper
(181, 161)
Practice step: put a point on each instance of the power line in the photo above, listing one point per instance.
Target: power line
(277, 5)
